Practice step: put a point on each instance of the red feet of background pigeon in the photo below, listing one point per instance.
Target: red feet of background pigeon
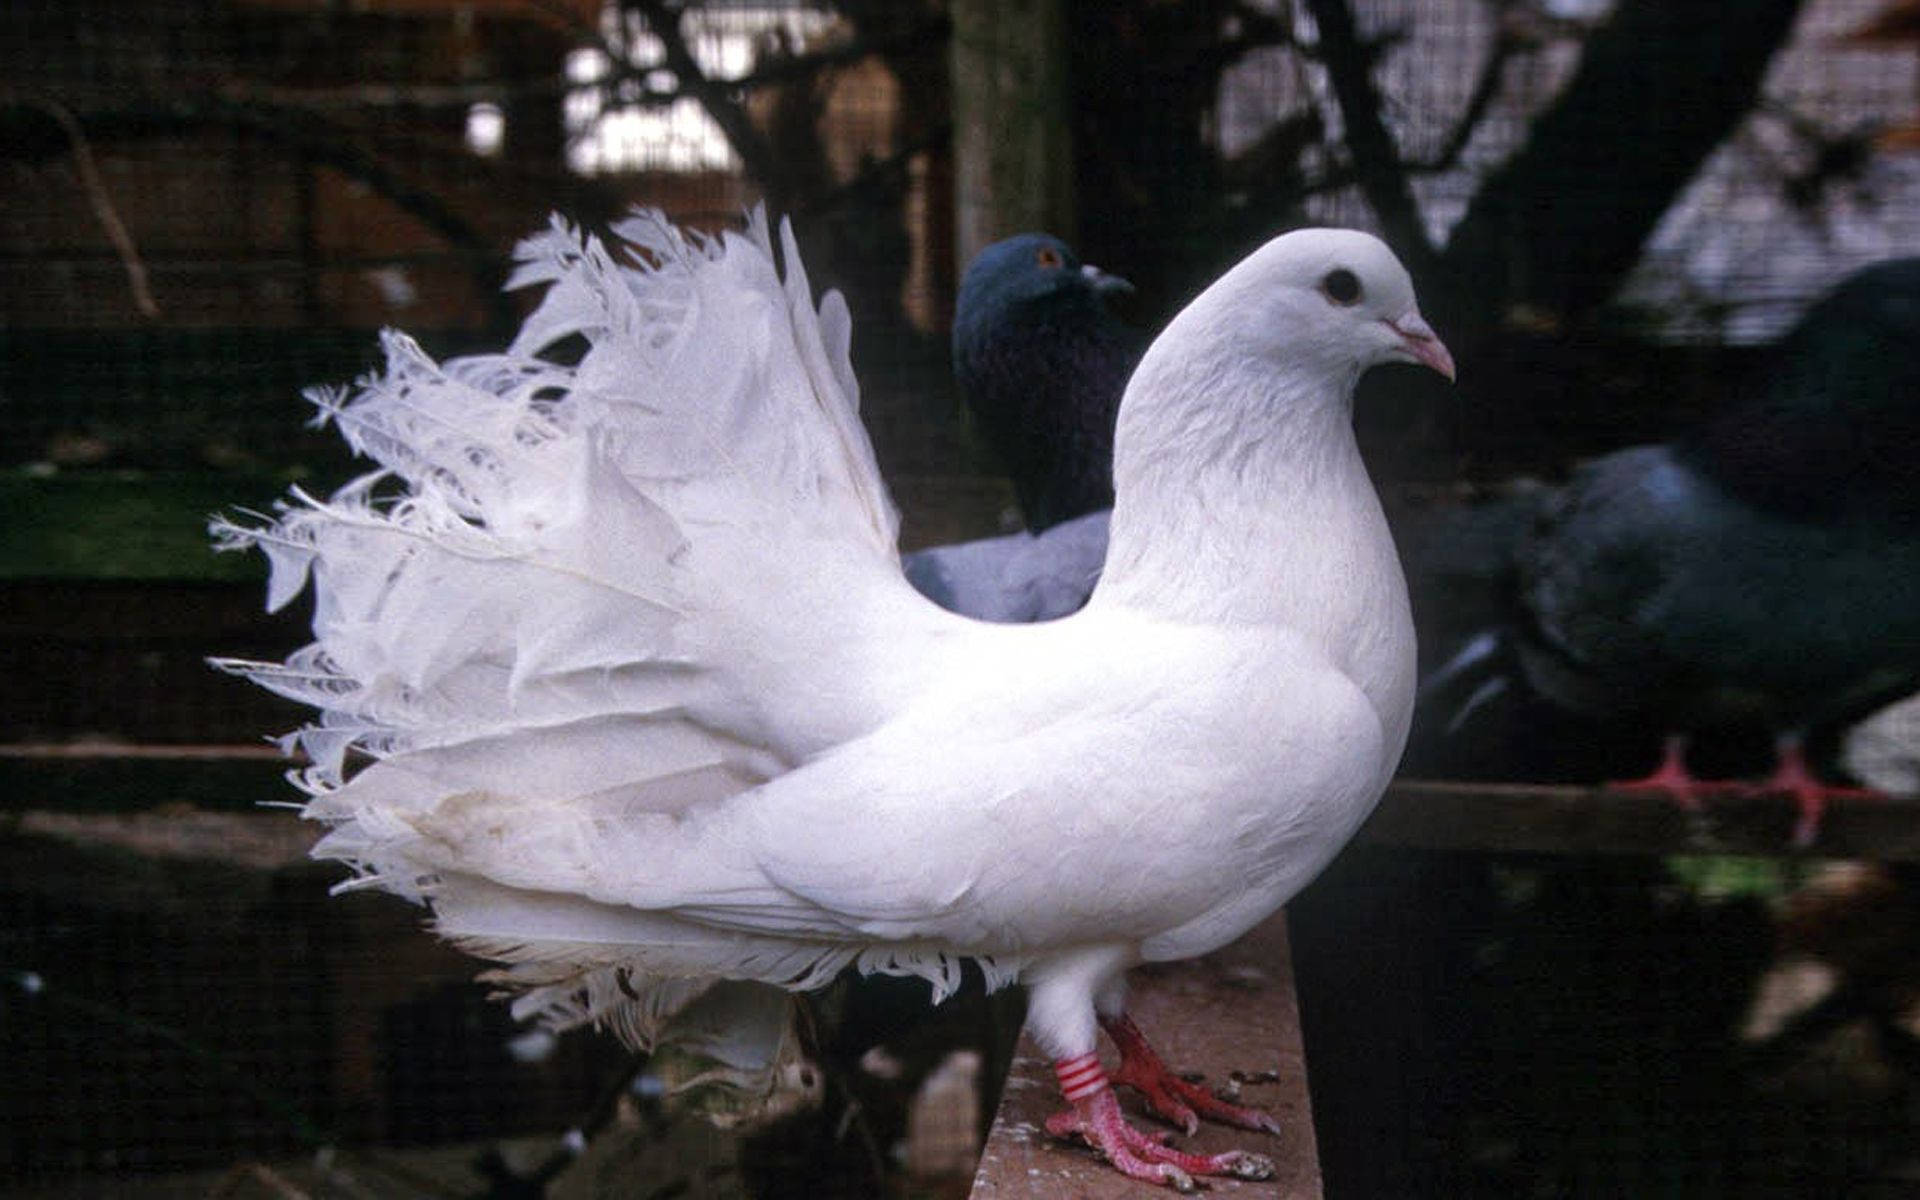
(1671, 778)
(1093, 1115)
(1791, 777)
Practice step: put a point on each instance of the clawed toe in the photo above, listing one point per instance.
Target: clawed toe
(1177, 1179)
(1251, 1166)
(1178, 1099)
(1097, 1121)
(1094, 1114)
(1171, 1110)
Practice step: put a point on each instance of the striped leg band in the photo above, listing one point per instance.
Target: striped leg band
(1080, 1077)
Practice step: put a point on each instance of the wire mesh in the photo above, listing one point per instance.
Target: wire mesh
(218, 204)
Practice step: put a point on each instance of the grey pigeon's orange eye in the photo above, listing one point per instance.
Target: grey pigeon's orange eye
(1048, 258)
(1341, 286)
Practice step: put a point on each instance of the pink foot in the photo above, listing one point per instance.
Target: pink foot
(1671, 778)
(1792, 777)
(1095, 1118)
(1174, 1098)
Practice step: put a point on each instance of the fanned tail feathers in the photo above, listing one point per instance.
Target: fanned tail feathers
(526, 599)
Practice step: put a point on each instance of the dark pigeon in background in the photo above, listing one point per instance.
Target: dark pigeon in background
(1041, 363)
(1762, 569)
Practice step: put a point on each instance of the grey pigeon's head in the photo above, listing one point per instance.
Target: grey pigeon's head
(1858, 348)
(1023, 272)
(1041, 363)
(1832, 423)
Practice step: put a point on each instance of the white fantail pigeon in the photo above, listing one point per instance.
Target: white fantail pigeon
(619, 672)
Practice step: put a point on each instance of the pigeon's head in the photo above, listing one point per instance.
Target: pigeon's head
(1010, 276)
(1831, 423)
(1885, 295)
(1858, 349)
(1335, 297)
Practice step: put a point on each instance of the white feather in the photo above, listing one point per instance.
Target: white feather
(650, 704)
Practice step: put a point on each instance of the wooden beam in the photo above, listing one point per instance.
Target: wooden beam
(1572, 819)
(1012, 141)
(1233, 1010)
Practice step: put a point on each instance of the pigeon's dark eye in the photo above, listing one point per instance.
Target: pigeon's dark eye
(1049, 258)
(1341, 286)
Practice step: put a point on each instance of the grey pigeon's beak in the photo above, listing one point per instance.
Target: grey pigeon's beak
(1422, 344)
(1105, 284)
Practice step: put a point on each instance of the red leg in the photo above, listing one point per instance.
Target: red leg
(1793, 777)
(1174, 1098)
(1094, 1116)
(1671, 778)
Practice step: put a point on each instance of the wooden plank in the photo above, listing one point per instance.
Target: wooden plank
(1564, 819)
(1230, 1011)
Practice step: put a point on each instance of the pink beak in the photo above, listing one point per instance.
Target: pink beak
(1422, 344)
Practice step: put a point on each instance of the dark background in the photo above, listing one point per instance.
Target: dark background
(211, 205)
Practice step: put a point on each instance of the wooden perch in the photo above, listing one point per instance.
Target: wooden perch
(1232, 1016)
(1571, 819)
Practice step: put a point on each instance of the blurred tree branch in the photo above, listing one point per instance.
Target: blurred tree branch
(892, 32)
(1828, 160)
(98, 197)
(756, 153)
(1505, 45)
(1624, 138)
(632, 84)
(1552, 231)
(1377, 166)
(1558, 226)
(24, 130)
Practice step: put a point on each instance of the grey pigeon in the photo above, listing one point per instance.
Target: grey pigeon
(1766, 566)
(1041, 363)
(1017, 577)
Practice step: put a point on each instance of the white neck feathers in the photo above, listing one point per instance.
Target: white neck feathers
(1242, 499)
